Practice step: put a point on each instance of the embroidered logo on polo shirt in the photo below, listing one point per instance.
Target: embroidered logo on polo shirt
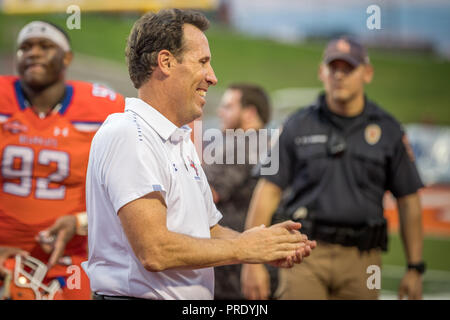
(372, 134)
(192, 165)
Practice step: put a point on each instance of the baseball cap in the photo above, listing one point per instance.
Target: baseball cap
(346, 49)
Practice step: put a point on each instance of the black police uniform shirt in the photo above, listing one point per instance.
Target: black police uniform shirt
(337, 169)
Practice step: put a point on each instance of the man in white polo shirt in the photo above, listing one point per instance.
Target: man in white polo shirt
(153, 227)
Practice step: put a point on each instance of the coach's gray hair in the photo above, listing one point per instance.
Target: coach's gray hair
(154, 32)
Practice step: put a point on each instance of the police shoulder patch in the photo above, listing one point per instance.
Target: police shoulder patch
(409, 149)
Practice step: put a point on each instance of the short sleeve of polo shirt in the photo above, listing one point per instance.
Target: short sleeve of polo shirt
(129, 165)
(403, 177)
(282, 152)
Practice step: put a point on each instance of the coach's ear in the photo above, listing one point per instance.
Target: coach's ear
(368, 73)
(166, 61)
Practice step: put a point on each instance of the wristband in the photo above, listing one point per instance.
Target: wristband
(419, 267)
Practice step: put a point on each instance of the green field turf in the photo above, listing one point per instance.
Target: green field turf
(412, 86)
(436, 254)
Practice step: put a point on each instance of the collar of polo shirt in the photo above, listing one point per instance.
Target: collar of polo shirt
(163, 126)
(182, 133)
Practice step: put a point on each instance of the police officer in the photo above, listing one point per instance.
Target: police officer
(337, 158)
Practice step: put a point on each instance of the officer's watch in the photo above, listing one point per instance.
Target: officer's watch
(419, 267)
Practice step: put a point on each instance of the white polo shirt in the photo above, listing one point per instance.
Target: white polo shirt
(132, 154)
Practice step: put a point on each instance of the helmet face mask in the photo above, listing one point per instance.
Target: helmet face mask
(24, 281)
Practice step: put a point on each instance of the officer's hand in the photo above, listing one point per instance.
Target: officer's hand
(55, 238)
(411, 286)
(7, 252)
(255, 282)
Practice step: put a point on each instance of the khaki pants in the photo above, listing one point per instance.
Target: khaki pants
(331, 271)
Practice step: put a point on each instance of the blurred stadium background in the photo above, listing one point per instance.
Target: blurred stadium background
(278, 44)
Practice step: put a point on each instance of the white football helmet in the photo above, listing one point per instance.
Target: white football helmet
(24, 281)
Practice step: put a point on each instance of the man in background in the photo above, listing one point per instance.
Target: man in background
(337, 159)
(246, 107)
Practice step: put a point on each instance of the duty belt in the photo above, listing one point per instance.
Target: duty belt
(364, 237)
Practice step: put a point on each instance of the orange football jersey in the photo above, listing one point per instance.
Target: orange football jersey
(44, 160)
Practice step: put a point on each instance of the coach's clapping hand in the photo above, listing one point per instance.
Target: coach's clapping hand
(255, 280)
(280, 245)
(306, 246)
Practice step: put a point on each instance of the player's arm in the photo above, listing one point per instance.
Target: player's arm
(411, 231)
(158, 249)
(55, 238)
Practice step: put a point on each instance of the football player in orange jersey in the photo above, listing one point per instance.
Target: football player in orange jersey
(46, 127)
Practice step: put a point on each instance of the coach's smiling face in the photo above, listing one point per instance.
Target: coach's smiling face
(343, 81)
(191, 76)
